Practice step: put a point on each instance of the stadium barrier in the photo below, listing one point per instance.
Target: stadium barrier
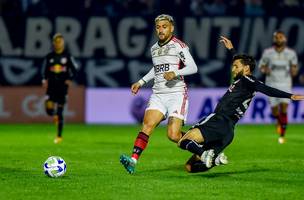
(119, 106)
(26, 105)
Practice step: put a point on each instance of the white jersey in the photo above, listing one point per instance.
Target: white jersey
(172, 56)
(279, 63)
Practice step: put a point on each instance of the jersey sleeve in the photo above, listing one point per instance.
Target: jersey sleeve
(148, 77)
(73, 66)
(258, 86)
(294, 58)
(190, 66)
(265, 59)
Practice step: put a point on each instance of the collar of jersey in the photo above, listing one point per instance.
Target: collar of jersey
(165, 42)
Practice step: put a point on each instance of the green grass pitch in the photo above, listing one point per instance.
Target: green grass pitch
(259, 167)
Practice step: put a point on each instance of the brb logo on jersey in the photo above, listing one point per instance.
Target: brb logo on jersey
(161, 68)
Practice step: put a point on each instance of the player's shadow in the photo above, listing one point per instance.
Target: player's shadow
(209, 174)
(11, 170)
(206, 174)
(165, 169)
(7, 172)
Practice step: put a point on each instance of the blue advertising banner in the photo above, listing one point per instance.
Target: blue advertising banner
(119, 106)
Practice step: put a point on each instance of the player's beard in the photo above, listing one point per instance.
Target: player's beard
(238, 75)
(164, 38)
(279, 44)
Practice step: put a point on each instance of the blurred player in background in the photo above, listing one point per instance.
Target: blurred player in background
(171, 62)
(58, 71)
(211, 135)
(280, 64)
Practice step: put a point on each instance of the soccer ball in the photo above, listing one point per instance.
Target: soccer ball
(54, 166)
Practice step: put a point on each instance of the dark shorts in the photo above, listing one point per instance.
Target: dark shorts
(217, 131)
(59, 98)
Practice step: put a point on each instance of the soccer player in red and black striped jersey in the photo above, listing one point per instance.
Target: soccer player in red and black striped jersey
(58, 72)
(171, 62)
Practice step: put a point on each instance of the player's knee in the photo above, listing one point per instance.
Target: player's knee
(49, 107)
(275, 111)
(49, 104)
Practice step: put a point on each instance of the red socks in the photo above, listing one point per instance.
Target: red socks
(140, 144)
(283, 120)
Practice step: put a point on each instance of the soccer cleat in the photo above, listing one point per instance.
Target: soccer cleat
(221, 159)
(58, 140)
(128, 163)
(207, 157)
(281, 140)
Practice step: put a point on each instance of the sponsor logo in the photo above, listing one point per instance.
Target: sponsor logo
(161, 68)
(58, 68)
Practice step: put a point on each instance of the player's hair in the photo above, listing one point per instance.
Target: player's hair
(164, 17)
(278, 31)
(57, 35)
(245, 60)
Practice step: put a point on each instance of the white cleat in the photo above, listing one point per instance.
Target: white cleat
(58, 140)
(207, 157)
(281, 140)
(221, 159)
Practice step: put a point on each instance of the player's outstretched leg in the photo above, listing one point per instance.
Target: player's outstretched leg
(128, 162)
(194, 164)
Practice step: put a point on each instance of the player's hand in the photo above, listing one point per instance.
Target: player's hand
(68, 82)
(169, 76)
(297, 97)
(228, 44)
(44, 83)
(135, 87)
(294, 71)
(265, 70)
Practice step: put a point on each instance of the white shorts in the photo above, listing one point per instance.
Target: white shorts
(171, 105)
(274, 101)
